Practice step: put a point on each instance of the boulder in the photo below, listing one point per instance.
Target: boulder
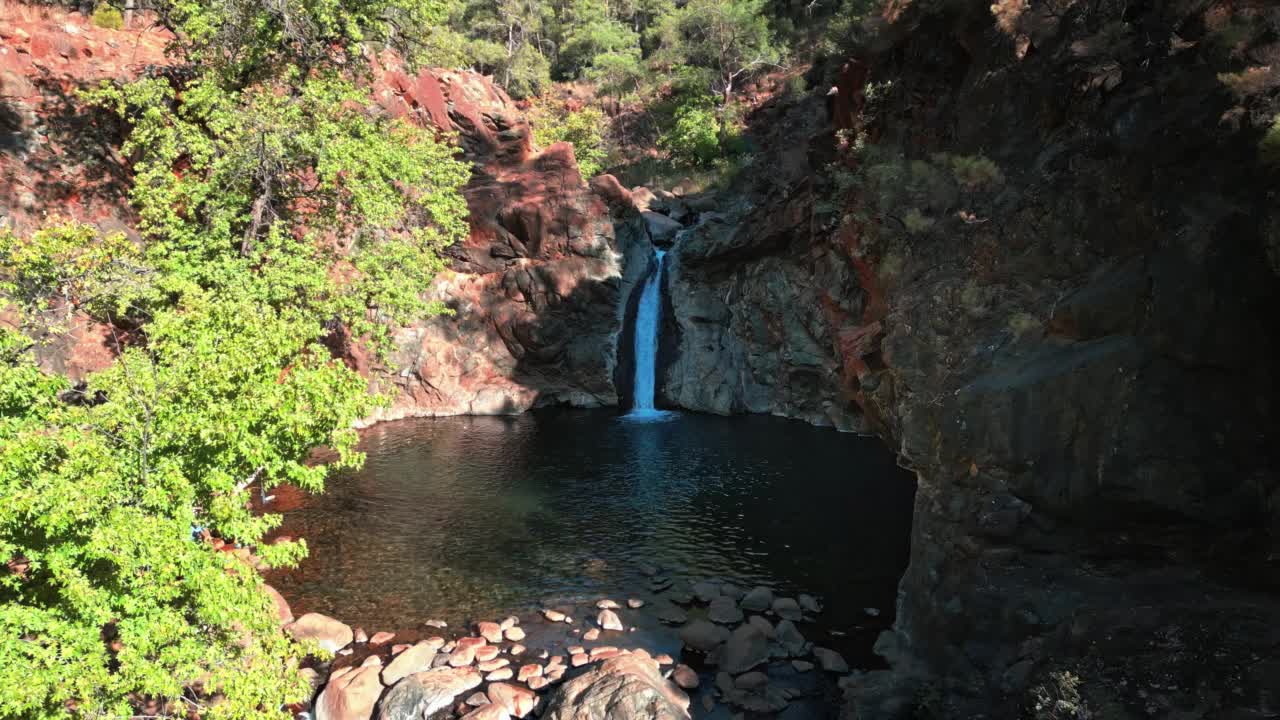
(350, 694)
(331, 635)
(758, 599)
(724, 610)
(414, 660)
(746, 648)
(789, 637)
(421, 694)
(703, 636)
(662, 229)
(787, 608)
(608, 620)
(627, 687)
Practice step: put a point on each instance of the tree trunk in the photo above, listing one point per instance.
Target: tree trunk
(128, 14)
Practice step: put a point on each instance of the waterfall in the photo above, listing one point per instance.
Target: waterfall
(648, 319)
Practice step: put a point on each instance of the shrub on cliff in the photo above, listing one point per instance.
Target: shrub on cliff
(585, 129)
(108, 17)
(274, 207)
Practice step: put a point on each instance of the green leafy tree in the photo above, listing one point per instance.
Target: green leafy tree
(273, 208)
(584, 129)
(729, 37)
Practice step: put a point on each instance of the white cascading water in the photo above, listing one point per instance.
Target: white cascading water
(648, 317)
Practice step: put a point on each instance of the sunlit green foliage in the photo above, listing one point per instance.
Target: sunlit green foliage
(107, 17)
(584, 129)
(274, 207)
(732, 38)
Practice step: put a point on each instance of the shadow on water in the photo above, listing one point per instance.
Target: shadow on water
(474, 517)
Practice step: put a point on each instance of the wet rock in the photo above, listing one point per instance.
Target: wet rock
(789, 637)
(703, 636)
(509, 622)
(553, 615)
(758, 599)
(464, 652)
(421, 694)
(516, 700)
(579, 659)
(513, 634)
(494, 664)
(350, 694)
(436, 624)
(538, 682)
(491, 711)
(516, 649)
(591, 635)
(830, 660)
(680, 596)
(607, 604)
(603, 649)
(635, 603)
(706, 591)
(414, 660)
(360, 636)
(662, 229)
(528, 671)
(809, 604)
(622, 688)
(485, 653)
(490, 631)
(685, 677)
(733, 591)
(672, 615)
(381, 638)
(746, 648)
(608, 620)
(331, 635)
(787, 608)
(724, 610)
(802, 666)
(503, 673)
(764, 625)
(751, 681)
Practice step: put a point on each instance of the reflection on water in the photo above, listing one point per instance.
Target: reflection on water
(473, 517)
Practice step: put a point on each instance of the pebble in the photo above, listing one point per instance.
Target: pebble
(635, 603)
(574, 650)
(554, 615)
(499, 674)
(537, 683)
(732, 591)
(360, 636)
(513, 634)
(437, 624)
(685, 677)
(516, 649)
(592, 634)
(579, 659)
(810, 604)
(527, 671)
(872, 612)
(801, 665)
(607, 604)
(509, 622)
(381, 638)
(609, 620)
(487, 653)
(494, 664)
(490, 631)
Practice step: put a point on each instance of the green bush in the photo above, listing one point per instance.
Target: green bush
(108, 17)
(584, 129)
(694, 136)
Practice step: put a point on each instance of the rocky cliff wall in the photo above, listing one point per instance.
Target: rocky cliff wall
(1080, 363)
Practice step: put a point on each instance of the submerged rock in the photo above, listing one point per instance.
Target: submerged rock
(789, 637)
(758, 599)
(746, 648)
(685, 677)
(609, 620)
(830, 660)
(703, 636)
(724, 610)
(627, 687)
(787, 608)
